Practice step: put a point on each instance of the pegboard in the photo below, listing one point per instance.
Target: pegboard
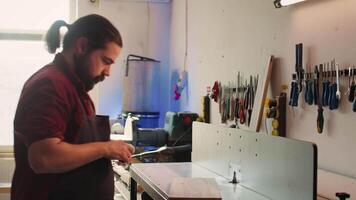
(276, 167)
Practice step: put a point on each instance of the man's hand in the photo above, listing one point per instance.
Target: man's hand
(119, 150)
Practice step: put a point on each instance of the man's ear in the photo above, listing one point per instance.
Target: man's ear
(81, 45)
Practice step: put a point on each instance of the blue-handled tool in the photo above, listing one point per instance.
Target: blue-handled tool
(299, 66)
(338, 92)
(306, 89)
(309, 87)
(320, 117)
(297, 82)
(310, 92)
(294, 94)
(326, 87)
(317, 77)
(333, 99)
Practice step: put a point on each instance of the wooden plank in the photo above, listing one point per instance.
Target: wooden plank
(193, 188)
(261, 94)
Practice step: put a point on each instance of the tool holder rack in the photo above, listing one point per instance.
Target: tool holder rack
(329, 73)
(240, 89)
(229, 89)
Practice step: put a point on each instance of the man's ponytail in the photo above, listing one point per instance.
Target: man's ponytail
(95, 28)
(53, 36)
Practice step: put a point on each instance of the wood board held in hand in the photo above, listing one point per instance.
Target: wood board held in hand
(194, 188)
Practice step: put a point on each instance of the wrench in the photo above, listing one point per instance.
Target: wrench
(338, 93)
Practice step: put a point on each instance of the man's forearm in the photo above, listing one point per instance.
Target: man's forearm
(54, 156)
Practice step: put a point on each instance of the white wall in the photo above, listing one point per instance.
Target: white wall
(144, 27)
(223, 39)
(226, 36)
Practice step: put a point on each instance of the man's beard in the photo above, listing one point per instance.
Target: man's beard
(82, 70)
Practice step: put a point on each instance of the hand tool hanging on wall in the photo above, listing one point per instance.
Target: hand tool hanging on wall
(296, 85)
(326, 86)
(333, 88)
(226, 110)
(206, 106)
(255, 84)
(232, 104)
(338, 92)
(237, 103)
(242, 107)
(309, 89)
(215, 91)
(316, 84)
(222, 105)
(353, 90)
(320, 117)
(220, 98)
(294, 93)
(299, 66)
(352, 85)
(228, 102)
(246, 100)
(306, 88)
(249, 109)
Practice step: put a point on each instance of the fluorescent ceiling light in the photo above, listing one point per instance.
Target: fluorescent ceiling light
(281, 3)
(289, 2)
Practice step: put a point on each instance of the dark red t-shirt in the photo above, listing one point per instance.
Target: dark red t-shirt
(49, 106)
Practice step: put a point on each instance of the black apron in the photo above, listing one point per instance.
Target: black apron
(95, 180)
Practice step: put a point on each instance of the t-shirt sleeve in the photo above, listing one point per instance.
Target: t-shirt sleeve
(42, 112)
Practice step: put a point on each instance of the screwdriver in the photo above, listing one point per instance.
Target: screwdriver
(316, 84)
(326, 87)
(310, 92)
(219, 97)
(241, 104)
(338, 92)
(352, 85)
(294, 94)
(308, 96)
(227, 105)
(306, 91)
(333, 101)
(232, 105)
(244, 104)
(320, 117)
(237, 100)
(242, 112)
(249, 109)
